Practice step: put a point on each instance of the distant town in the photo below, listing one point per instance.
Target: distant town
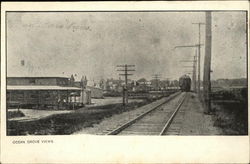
(54, 91)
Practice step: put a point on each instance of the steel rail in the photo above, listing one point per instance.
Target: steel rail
(172, 117)
(124, 126)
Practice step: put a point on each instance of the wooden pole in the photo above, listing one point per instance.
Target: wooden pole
(199, 55)
(126, 74)
(126, 84)
(123, 96)
(207, 64)
(194, 74)
(199, 61)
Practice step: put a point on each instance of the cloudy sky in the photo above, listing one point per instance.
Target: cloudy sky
(93, 43)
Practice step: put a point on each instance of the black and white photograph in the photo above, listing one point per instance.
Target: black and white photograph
(124, 82)
(152, 73)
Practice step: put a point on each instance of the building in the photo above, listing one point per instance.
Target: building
(43, 93)
(88, 91)
(95, 92)
(50, 81)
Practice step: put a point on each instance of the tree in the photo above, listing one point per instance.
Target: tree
(142, 80)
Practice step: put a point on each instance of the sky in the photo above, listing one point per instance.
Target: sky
(93, 43)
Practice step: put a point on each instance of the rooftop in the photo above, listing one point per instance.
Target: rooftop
(37, 77)
(39, 87)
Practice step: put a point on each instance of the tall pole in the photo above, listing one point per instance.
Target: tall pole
(126, 74)
(199, 55)
(194, 73)
(196, 63)
(126, 84)
(207, 64)
(199, 62)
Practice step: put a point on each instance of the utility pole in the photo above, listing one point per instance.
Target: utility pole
(194, 73)
(199, 55)
(156, 77)
(207, 64)
(126, 74)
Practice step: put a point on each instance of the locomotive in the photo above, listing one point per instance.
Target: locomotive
(185, 83)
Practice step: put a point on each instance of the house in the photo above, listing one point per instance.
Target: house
(50, 81)
(95, 92)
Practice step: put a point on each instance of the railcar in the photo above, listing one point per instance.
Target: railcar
(185, 83)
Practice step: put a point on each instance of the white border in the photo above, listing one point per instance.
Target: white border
(112, 149)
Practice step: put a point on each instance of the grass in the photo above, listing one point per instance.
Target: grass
(231, 116)
(68, 123)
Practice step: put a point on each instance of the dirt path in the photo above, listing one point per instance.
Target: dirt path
(195, 122)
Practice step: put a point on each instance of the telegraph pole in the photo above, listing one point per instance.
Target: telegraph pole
(199, 55)
(207, 64)
(126, 74)
(194, 73)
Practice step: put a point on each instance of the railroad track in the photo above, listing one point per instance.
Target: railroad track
(155, 121)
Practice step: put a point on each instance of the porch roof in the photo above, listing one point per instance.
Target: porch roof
(40, 87)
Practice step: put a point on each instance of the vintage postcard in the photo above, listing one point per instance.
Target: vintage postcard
(124, 82)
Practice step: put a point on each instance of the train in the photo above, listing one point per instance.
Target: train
(185, 83)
